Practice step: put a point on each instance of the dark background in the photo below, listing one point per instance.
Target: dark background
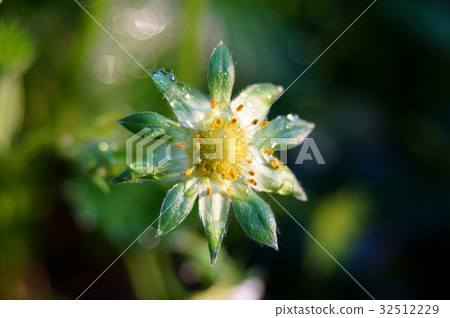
(379, 98)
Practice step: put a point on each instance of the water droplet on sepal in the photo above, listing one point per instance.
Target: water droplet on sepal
(292, 117)
(149, 239)
(169, 74)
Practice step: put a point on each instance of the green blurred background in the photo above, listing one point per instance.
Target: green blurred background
(379, 98)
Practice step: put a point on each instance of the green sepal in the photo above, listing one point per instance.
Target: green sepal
(150, 123)
(257, 219)
(161, 168)
(221, 74)
(177, 205)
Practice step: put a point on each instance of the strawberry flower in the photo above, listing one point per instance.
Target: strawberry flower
(221, 152)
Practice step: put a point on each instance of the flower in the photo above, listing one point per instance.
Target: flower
(221, 151)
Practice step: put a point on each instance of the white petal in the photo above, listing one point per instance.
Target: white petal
(213, 211)
(281, 181)
(189, 105)
(257, 100)
(288, 131)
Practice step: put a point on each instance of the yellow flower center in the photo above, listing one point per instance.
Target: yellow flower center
(222, 148)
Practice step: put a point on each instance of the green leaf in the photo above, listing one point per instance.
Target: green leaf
(213, 210)
(257, 219)
(162, 167)
(177, 205)
(257, 100)
(189, 105)
(290, 127)
(221, 75)
(155, 124)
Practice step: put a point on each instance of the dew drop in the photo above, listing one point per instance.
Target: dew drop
(188, 122)
(169, 74)
(149, 239)
(291, 117)
(288, 186)
(273, 145)
(288, 126)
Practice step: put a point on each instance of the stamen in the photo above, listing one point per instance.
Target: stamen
(252, 181)
(208, 191)
(181, 144)
(250, 144)
(268, 151)
(255, 122)
(248, 160)
(227, 168)
(213, 104)
(229, 190)
(188, 172)
(264, 123)
(240, 107)
(275, 163)
(251, 172)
